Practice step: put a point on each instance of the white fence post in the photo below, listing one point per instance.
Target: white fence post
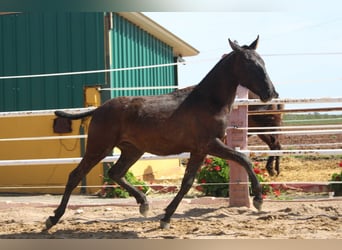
(237, 139)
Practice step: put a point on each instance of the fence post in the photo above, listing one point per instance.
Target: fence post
(237, 139)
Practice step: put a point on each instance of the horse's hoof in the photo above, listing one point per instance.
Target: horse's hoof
(164, 225)
(257, 203)
(48, 224)
(144, 208)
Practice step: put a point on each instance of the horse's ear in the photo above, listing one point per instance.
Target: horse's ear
(234, 45)
(254, 44)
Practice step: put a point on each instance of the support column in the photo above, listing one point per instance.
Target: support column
(237, 139)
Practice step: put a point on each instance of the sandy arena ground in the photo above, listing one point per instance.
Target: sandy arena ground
(91, 217)
(196, 218)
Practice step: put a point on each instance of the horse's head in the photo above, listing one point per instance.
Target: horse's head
(250, 71)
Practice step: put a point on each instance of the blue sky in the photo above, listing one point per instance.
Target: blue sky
(289, 43)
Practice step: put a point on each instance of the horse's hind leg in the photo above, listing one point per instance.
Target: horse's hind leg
(194, 163)
(86, 164)
(277, 158)
(273, 144)
(102, 137)
(129, 155)
(269, 165)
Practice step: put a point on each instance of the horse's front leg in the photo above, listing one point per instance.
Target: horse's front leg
(219, 149)
(194, 163)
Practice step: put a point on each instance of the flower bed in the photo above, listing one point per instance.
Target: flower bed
(213, 178)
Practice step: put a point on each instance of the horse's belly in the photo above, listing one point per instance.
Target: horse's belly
(166, 148)
(159, 142)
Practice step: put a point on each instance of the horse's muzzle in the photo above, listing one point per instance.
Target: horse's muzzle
(269, 96)
(275, 94)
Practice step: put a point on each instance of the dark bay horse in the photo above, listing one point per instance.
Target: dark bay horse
(267, 120)
(173, 123)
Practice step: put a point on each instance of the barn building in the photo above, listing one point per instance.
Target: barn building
(48, 43)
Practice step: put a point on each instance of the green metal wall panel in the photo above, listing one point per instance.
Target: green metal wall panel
(37, 43)
(131, 47)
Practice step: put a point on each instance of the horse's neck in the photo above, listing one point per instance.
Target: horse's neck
(182, 94)
(219, 86)
(186, 90)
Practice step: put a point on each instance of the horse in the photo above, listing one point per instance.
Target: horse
(169, 124)
(267, 120)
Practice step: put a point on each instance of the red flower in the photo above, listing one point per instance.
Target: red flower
(257, 170)
(208, 160)
(217, 168)
(276, 192)
(340, 164)
(203, 181)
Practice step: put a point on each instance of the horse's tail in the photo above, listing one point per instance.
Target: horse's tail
(74, 116)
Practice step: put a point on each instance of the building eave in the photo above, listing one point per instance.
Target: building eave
(180, 47)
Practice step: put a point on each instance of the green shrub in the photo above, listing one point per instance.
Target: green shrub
(111, 189)
(214, 170)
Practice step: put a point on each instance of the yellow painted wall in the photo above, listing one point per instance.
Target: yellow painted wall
(156, 171)
(34, 175)
(41, 176)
